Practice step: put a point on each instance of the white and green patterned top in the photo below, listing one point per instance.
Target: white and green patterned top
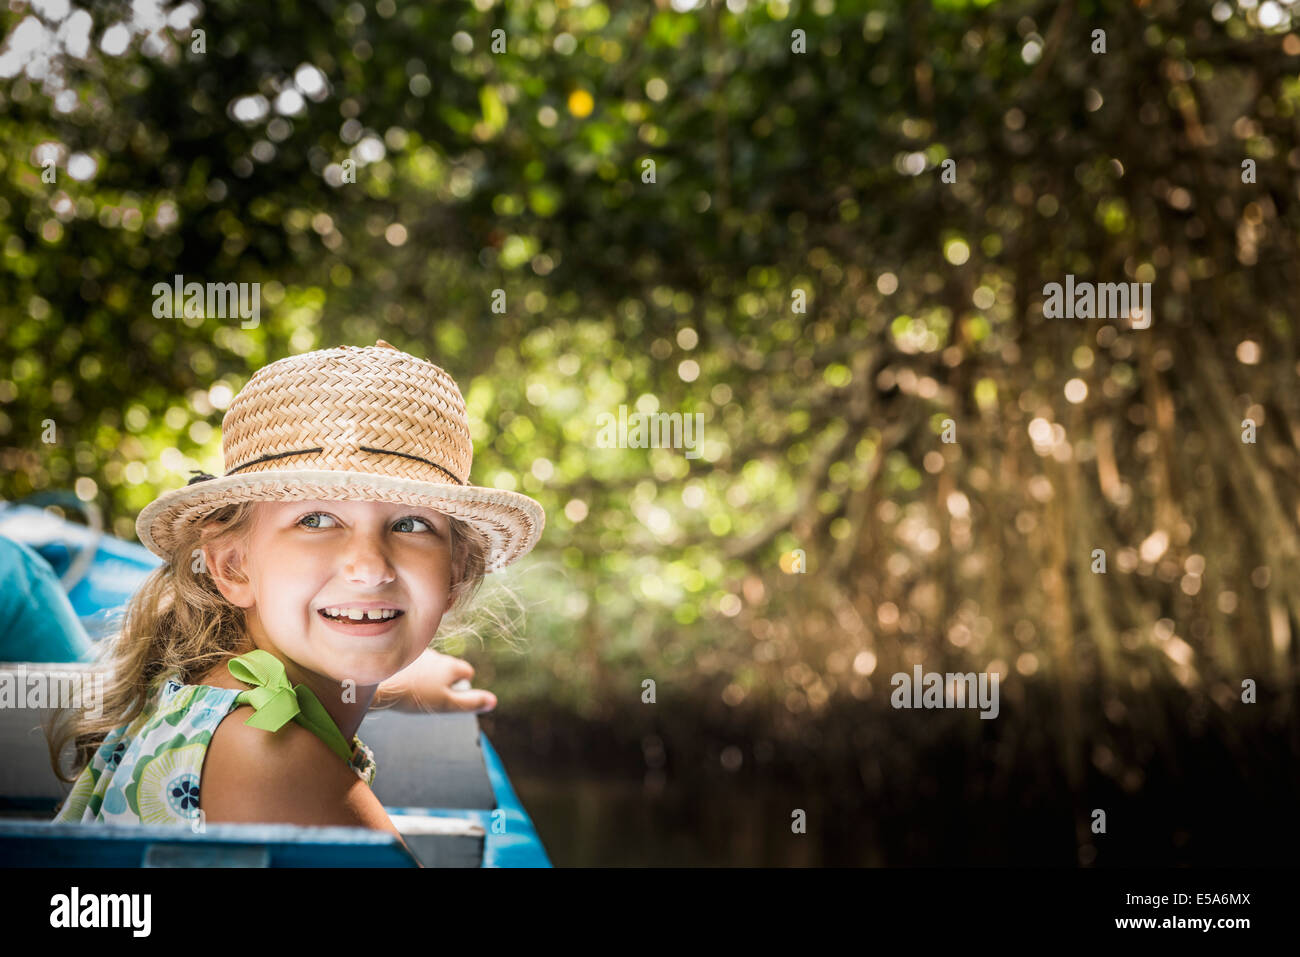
(147, 771)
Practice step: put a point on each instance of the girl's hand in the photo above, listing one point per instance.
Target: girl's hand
(434, 683)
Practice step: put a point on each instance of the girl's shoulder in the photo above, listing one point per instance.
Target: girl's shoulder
(290, 776)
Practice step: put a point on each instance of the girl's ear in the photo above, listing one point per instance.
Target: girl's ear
(225, 563)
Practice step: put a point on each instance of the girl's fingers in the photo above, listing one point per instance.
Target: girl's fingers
(457, 701)
(475, 701)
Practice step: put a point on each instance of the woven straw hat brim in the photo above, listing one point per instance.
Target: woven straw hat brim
(511, 522)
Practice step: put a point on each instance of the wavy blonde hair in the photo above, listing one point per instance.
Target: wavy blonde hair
(178, 621)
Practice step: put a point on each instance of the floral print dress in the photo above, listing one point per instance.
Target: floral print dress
(147, 771)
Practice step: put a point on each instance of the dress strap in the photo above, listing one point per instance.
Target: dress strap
(276, 702)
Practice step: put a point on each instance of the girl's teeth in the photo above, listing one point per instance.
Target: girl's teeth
(358, 614)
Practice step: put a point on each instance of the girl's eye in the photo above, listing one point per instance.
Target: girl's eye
(326, 515)
(412, 518)
(315, 515)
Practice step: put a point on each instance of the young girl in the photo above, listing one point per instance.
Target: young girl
(309, 578)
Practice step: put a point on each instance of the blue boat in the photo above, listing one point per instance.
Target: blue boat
(440, 780)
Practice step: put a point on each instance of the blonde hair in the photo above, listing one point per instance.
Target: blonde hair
(179, 622)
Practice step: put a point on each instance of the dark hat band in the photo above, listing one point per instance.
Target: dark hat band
(204, 476)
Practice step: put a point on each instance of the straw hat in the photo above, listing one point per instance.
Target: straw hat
(369, 424)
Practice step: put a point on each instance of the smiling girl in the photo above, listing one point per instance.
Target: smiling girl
(299, 589)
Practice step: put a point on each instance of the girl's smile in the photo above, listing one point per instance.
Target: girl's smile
(358, 626)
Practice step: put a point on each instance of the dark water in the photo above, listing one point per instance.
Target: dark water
(611, 822)
(875, 792)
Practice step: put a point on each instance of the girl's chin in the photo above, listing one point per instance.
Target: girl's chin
(359, 665)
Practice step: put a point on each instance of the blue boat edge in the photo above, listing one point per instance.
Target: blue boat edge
(517, 844)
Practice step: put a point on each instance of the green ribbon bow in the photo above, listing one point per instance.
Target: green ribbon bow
(277, 703)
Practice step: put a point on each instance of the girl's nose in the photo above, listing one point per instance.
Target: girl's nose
(367, 563)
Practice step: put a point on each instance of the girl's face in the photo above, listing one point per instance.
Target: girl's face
(314, 568)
